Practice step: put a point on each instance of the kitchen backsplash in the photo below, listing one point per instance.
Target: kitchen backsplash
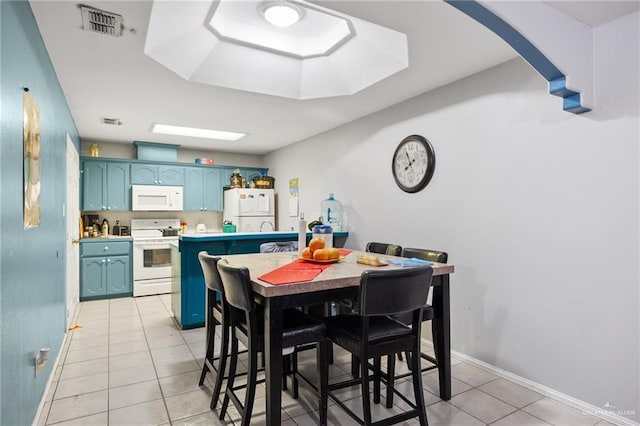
(212, 220)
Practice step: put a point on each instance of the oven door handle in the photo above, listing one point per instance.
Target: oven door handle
(147, 246)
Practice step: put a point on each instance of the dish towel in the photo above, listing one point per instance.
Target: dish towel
(297, 271)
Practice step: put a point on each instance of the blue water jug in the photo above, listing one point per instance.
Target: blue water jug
(331, 210)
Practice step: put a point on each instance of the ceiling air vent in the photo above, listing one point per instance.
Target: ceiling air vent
(112, 121)
(100, 21)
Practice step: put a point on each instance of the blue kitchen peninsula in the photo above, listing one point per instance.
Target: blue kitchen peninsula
(187, 287)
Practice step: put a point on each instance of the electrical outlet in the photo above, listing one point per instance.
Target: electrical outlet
(40, 360)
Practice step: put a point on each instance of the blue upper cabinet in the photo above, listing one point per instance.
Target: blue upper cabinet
(202, 189)
(154, 174)
(118, 187)
(212, 194)
(193, 189)
(171, 175)
(105, 185)
(94, 180)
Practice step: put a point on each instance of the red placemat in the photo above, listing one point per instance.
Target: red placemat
(294, 272)
(344, 252)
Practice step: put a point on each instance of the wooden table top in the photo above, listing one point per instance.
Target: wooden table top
(345, 273)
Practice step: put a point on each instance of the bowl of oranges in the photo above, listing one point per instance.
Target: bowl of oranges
(316, 252)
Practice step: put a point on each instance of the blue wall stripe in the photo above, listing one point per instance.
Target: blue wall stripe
(526, 49)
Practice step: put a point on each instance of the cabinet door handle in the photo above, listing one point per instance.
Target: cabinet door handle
(108, 260)
(205, 209)
(160, 182)
(106, 248)
(104, 261)
(104, 207)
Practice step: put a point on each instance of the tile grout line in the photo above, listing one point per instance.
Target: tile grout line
(146, 339)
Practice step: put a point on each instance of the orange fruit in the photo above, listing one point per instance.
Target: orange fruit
(306, 253)
(315, 244)
(321, 254)
(334, 253)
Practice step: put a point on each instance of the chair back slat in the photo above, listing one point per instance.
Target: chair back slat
(387, 292)
(237, 286)
(384, 248)
(426, 254)
(210, 271)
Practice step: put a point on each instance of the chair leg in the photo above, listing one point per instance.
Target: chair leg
(222, 365)
(366, 402)
(391, 374)
(294, 373)
(376, 380)
(322, 349)
(211, 333)
(251, 386)
(232, 374)
(286, 368)
(355, 367)
(417, 385)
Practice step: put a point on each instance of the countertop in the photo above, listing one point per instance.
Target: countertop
(220, 236)
(110, 237)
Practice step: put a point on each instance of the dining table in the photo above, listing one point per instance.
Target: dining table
(337, 281)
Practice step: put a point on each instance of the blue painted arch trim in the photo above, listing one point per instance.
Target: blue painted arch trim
(557, 80)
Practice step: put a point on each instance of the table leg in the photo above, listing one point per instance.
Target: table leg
(441, 329)
(273, 361)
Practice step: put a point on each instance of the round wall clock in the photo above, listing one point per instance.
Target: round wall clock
(413, 163)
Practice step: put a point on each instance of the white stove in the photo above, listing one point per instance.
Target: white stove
(152, 241)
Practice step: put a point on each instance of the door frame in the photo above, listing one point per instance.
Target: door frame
(72, 213)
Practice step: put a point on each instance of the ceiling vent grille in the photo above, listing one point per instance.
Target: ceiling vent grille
(112, 121)
(100, 21)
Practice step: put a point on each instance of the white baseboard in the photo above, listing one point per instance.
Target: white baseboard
(599, 412)
(67, 335)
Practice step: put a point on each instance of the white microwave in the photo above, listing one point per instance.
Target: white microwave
(156, 198)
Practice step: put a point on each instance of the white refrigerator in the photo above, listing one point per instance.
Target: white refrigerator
(251, 210)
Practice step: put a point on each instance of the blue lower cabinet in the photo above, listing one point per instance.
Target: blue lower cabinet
(188, 295)
(105, 269)
(93, 277)
(187, 300)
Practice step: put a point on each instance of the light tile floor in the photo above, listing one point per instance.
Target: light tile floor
(130, 365)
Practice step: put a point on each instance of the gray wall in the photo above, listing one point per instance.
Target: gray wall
(538, 209)
(32, 278)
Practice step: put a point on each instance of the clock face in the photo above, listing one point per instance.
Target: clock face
(413, 163)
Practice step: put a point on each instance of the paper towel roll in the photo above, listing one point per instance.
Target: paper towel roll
(302, 234)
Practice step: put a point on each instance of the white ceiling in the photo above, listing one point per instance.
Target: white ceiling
(107, 77)
(595, 13)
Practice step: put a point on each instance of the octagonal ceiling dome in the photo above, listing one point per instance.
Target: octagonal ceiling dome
(229, 43)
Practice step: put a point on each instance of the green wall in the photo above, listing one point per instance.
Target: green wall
(32, 268)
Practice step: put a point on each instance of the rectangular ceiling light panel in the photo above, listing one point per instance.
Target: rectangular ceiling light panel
(168, 129)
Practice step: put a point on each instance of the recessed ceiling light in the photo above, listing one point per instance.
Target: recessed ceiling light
(168, 129)
(281, 14)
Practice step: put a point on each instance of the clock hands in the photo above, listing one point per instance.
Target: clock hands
(410, 161)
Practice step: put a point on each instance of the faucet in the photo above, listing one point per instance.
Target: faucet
(268, 222)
